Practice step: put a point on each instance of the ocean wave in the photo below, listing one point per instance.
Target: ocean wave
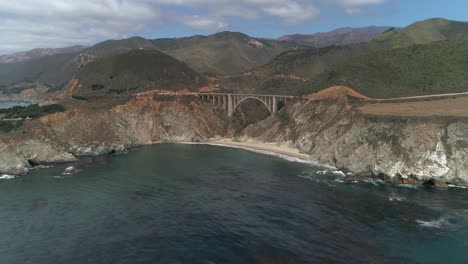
(456, 186)
(375, 182)
(409, 186)
(396, 199)
(442, 222)
(7, 177)
(339, 173)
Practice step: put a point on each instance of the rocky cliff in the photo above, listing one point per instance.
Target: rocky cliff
(87, 131)
(399, 149)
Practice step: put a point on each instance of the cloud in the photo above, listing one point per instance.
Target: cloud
(204, 23)
(354, 7)
(26, 24)
(287, 11)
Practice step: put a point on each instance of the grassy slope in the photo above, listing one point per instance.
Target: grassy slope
(420, 69)
(311, 62)
(338, 37)
(422, 32)
(135, 71)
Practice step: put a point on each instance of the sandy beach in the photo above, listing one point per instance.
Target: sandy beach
(266, 147)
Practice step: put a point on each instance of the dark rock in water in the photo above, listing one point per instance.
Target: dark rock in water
(436, 183)
(441, 185)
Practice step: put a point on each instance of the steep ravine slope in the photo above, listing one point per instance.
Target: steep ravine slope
(399, 149)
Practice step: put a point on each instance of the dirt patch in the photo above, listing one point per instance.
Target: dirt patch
(455, 107)
(337, 92)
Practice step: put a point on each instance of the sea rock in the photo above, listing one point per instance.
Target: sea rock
(11, 162)
(71, 169)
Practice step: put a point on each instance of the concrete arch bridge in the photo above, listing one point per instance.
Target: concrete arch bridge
(230, 102)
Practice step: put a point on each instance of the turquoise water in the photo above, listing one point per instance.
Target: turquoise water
(9, 104)
(206, 204)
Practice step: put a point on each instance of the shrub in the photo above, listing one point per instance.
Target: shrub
(32, 111)
(97, 86)
(6, 126)
(79, 97)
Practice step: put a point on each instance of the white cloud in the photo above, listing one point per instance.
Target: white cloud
(204, 23)
(26, 24)
(354, 7)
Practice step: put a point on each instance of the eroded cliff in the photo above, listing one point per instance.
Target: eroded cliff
(334, 132)
(85, 131)
(400, 149)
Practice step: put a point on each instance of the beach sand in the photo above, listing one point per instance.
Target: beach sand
(261, 146)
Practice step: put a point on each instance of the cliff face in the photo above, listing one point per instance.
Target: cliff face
(84, 131)
(406, 150)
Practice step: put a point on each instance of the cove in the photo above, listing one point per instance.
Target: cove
(172, 203)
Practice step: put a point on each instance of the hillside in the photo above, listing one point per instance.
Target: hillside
(226, 53)
(51, 71)
(337, 37)
(37, 53)
(293, 68)
(222, 53)
(422, 32)
(136, 71)
(439, 67)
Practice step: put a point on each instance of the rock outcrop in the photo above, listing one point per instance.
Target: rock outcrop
(87, 131)
(410, 150)
(400, 149)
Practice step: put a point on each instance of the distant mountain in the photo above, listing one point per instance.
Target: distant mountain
(422, 32)
(136, 71)
(218, 54)
(37, 53)
(341, 36)
(292, 68)
(225, 53)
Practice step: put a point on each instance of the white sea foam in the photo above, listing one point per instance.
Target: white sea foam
(456, 186)
(438, 223)
(407, 186)
(7, 177)
(396, 199)
(375, 182)
(339, 173)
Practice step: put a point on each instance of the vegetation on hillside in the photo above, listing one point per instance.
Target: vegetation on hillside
(311, 62)
(31, 111)
(136, 71)
(337, 37)
(439, 67)
(423, 32)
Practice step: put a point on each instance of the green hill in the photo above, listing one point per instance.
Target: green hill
(226, 53)
(136, 71)
(337, 37)
(308, 64)
(439, 67)
(222, 53)
(423, 32)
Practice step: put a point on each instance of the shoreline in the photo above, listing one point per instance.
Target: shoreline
(270, 149)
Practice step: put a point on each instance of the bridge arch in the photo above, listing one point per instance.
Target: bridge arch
(230, 102)
(255, 98)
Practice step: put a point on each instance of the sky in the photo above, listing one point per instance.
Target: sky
(28, 24)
